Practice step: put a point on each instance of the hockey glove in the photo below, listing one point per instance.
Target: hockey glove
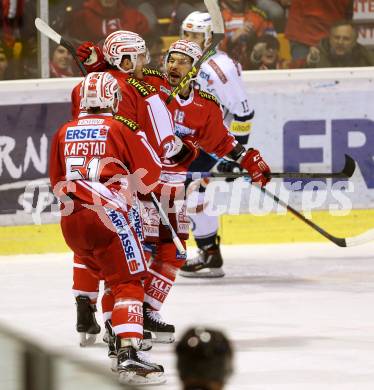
(256, 167)
(91, 57)
(184, 151)
(226, 166)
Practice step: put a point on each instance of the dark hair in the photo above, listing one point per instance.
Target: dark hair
(204, 355)
(340, 23)
(270, 40)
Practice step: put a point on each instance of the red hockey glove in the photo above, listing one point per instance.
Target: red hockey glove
(91, 57)
(184, 150)
(256, 167)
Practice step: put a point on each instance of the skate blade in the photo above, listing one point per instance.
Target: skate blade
(163, 337)
(86, 339)
(130, 378)
(204, 273)
(114, 364)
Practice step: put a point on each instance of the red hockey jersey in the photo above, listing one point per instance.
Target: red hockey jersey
(95, 157)
(200, 119)
(142, 104)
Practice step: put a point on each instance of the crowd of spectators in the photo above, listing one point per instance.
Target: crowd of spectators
(318, 33)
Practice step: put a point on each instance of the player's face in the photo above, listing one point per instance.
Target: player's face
(342, 40)
(61, 57)
(177, 66)
(194, 37)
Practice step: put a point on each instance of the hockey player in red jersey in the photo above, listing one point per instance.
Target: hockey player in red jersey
(198, 124)
(96, 171)
(124, 55)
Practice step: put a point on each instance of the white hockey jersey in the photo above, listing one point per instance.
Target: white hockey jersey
(221, 76)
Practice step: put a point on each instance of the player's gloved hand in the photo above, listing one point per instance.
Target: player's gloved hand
(183, 150)
(256, 167)
(91, 57)
(226, 166)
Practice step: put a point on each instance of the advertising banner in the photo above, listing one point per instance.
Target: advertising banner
(305, 121)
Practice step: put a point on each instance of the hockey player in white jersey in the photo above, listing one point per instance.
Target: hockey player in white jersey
(220, 76)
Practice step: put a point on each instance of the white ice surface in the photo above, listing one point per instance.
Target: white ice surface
(301, 316)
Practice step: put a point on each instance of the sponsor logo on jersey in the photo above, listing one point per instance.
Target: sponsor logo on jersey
(240, 128)
(208, 96)
(85, 122)
(135, 220)
(143, 88)
(128, 241)
(181, 131)
(218, 71)
(128, 122)
(204, 76)
(152, 72)
(179, 255)
(93, 133)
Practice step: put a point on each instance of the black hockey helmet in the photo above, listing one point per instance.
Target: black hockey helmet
(204, 355)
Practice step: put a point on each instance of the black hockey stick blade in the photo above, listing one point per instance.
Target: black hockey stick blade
(48, 31)
(360, 239)
(345, 173)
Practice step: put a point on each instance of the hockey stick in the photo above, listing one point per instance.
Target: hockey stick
(166, 222)
(218, 34)
(345, 173)
(360, 239)
(45, 29)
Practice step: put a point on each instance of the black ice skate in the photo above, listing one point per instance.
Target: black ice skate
(87, 327)
(111, 341)
(207, 264)
(135, 369)
(161, 331)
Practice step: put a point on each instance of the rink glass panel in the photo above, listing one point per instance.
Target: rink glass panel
(29, 365)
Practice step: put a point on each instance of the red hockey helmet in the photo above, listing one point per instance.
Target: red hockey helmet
(100, 89)
(121, 43)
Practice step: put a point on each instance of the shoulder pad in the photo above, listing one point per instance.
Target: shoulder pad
(143, 88)
(152, 72)
(127, 122)
(208, 96)
(260, 12)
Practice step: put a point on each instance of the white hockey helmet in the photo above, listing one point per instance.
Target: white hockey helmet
(121, 43)
(188, 48)
(198, 22)
(100, 89)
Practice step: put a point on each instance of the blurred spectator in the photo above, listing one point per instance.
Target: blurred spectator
(340, 49)
(309, 22)
(176, 10)
(61, 63)
(11, 19)
(244, 23)
(99, 18)
(276, 10)
(155, 47)
(4, 64)
(265, 55)
(60, 11)
(204, 359)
